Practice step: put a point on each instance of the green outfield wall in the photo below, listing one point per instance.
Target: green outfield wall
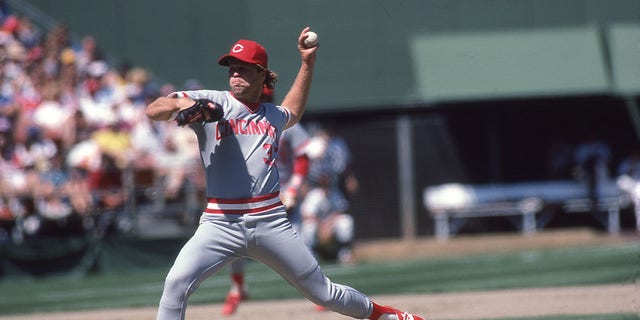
(380, 53)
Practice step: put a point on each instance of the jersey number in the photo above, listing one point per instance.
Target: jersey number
(272, 151)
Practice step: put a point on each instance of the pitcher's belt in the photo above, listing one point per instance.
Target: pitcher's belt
(251, 205)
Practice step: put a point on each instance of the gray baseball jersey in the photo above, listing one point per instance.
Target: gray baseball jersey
(244, 216)
(239, 153)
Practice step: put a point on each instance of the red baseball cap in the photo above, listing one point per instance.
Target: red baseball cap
(247, 51)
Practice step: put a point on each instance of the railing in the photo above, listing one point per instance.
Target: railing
(137, 208)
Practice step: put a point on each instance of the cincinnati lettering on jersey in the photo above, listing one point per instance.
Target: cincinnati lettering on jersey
(244, 127)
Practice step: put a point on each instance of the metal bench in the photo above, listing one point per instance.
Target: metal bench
(451, 204)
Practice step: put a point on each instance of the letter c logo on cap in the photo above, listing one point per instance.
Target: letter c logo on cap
(237, 48)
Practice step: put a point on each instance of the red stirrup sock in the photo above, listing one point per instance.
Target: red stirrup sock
(238, 278)
(379, 310)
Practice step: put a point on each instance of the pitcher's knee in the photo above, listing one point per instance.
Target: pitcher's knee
(177, 285)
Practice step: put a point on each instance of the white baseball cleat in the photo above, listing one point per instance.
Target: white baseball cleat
(407, 316)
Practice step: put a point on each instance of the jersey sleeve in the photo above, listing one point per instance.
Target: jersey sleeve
(213, 95)
(287, 115)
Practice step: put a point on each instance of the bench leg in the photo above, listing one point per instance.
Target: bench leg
(614, 220)
(529, 223)
(442, 227)
(636, 210)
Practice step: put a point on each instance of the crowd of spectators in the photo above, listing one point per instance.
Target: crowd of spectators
(71, 126)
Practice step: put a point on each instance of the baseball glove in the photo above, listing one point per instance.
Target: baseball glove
(203, 110)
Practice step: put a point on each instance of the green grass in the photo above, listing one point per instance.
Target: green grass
(606, 264)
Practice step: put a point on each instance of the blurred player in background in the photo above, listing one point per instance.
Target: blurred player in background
(327, 226)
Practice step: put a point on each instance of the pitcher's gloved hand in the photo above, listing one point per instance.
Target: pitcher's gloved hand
(202, 110)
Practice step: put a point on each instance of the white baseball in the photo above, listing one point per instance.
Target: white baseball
(311, 40)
